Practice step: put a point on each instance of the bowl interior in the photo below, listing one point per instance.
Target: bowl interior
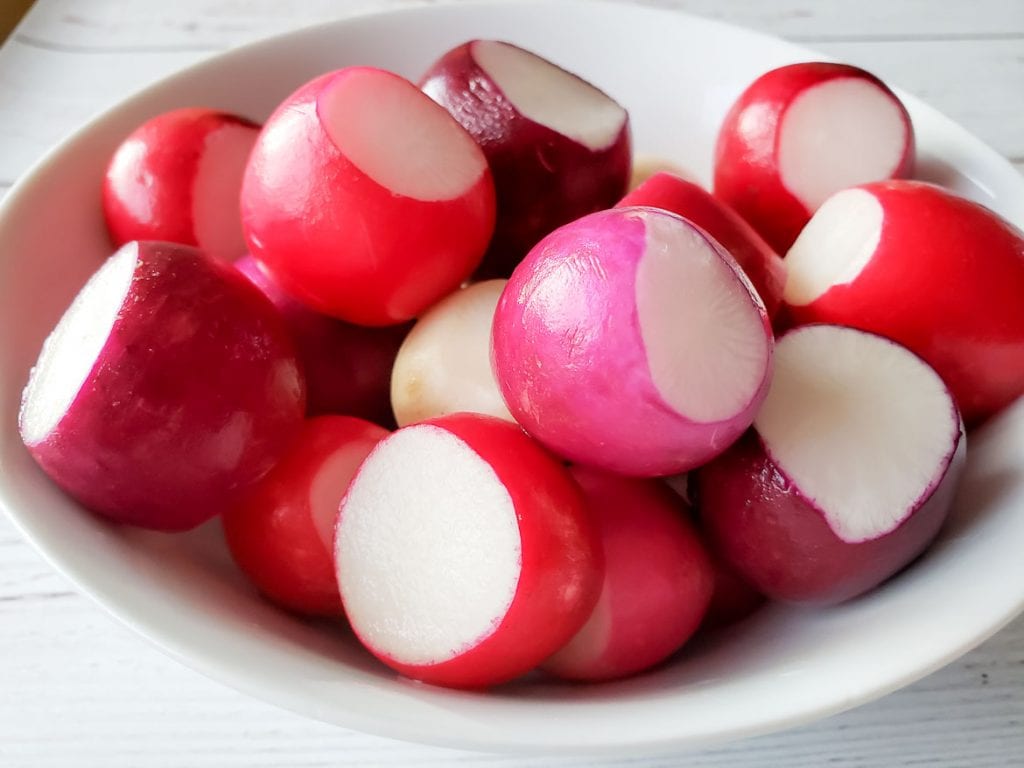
(677, 76)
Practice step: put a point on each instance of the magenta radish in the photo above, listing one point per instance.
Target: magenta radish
(281, 532)
(802, 132)
(632, 342)
(177, 178)
(348, 367)
(558, 147)
(939, 274)
(444, 365)
(365, 199)
(848, 474)
(658, 580)
(464, 552)
(167, 389)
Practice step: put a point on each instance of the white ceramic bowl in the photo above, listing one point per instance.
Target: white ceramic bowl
(677, 75)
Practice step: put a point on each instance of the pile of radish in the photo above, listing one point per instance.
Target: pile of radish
(441, 376)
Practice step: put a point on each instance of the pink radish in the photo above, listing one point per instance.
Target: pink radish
(365, 199)
(177, 178)
(937, 273)
(676, 195)
(630, 341)
(802, 132)
(558, 147)
(281, 533)
(167, 389)
(848, 474)
(465, 556)
(444, 365)
(348, 367)
(657, 584)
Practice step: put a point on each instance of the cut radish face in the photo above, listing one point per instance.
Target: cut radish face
(115, 412)
(941, 275)
(464, 554)
(365, 200)
(281, 534)
(676, 195)
(630, 341)
(850, 472)
(558, 147)
(177, 178)
(444, 365)
(802, 132)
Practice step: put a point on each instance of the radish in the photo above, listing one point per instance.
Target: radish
(444, 365)
(365, 199)
(177, 178)
(802, 132)
(848, 474)
(646, 166)
(464, 552)
(733, 599)
(630, 341)
(658, 580)
(167, 389)
(281, 533)
(348, 367)
(937, 273)
(676, 195)
(558, 147)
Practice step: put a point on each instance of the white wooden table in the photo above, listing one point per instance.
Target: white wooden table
(76, 689)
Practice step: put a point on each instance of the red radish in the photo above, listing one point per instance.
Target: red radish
(630, 341)
(558, 147)
(281, 533)
(646, 166)
(444, 365)
(657, 581)
(177, 178)
(348, 367)
(848, 474)
(802, 132)
(691, 201)
(733, 598)
(365, 199)
(939, 274)
(167, 389)
(465, 555)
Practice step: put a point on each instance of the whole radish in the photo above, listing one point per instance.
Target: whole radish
(166, 390)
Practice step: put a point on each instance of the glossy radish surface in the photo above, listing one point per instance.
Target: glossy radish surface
(465, 555)
(281, 533)
(848, 474)
(177, 178)
(365, 199)
(167, 389)
(802, 132)
(444, 365)
(658, 580)
(939, 274)
(761, 264)
(347, 366)
(630, 341)
(558, 147)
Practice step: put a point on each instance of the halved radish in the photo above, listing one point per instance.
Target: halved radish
(465, 556)
(444, 365)
(177, 178)
(939, 274)
(658, 580)
(365, 199)
(281, 533)
(629, 340)
(348, 367)
(167, 389)
(848, 474)
(800, 133)
(691, 201)
(558, 147)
